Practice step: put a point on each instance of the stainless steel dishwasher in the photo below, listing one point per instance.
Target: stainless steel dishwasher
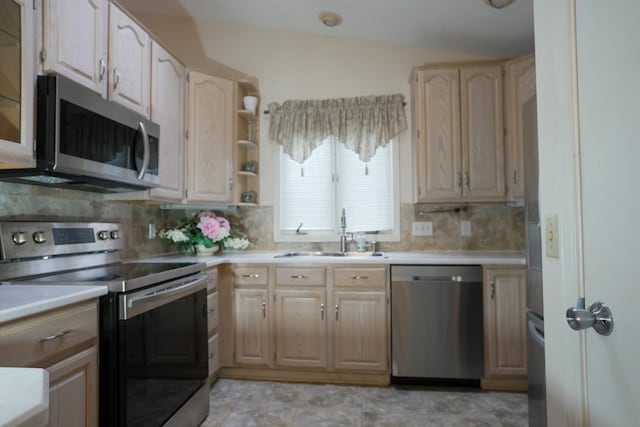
(436, 323)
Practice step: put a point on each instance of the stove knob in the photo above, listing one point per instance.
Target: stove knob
(103, 235)
(115, 234)
(38, 237)
(19, 238)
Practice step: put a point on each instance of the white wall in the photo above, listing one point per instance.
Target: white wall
(302, 66)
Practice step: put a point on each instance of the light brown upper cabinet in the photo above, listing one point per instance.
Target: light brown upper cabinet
(168, 109)
(210, 138)
(96, 44)
(17, 77)
(520, 115)
(458, 132)
(75, 41)
(129, 62)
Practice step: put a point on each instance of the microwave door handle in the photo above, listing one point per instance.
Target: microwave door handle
(145, 155)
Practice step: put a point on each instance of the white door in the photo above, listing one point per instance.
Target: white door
(609, 114)
(589, 152)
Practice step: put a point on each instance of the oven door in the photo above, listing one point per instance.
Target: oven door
(160, 352)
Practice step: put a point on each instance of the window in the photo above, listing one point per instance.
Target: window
(313, 194)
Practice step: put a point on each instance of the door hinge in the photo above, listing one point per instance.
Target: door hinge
(186, 134)
(43, 55)
(34, 4)
(504, 73)
(504, 131)
(416, 77)
(418, 133)
(188, 76)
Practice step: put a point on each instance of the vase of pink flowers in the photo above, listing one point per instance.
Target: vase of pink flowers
(204, 233)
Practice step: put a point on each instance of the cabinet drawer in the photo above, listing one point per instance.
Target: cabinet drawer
(293, 276)
(212, 311)
(360, 278)
(212, 280)
(213, 355)
(251, 276)
(31, 341)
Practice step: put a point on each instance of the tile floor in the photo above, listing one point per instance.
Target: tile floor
(235, 403)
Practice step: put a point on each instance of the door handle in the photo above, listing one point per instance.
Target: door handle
(598, 316)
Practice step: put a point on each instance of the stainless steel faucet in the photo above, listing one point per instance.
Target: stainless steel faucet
(343, 234)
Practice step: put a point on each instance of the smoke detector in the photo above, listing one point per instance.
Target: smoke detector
(330, 19)
(498, 4)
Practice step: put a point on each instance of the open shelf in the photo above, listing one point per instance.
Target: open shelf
(248, 115)
(247, 144)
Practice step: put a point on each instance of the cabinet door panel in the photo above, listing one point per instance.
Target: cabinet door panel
(505, 322)
(168, 110)
(438, 147)
(520, 89)
(360, 331)
(73, 390)
(301, 328)
(482, 133)
(75, 41)
(210, 144)
(251, 326)
(130, 62)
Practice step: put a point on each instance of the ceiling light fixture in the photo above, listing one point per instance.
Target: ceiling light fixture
(330, 19)
(498, 4)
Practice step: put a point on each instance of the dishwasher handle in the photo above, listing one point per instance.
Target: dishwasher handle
(453, 278)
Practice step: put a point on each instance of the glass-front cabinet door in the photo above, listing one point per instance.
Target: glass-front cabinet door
(17, 84)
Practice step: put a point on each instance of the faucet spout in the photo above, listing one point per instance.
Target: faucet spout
(343, 234)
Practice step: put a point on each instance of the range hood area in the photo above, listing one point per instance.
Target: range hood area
(84, 142)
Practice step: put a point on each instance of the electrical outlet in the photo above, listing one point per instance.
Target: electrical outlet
(422, 228)
(551, 236)
(152, 231)
(465, 228)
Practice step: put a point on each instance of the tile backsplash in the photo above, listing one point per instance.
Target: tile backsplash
(493, 226)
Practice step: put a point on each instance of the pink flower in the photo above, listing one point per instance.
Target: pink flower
(210, 227)
(224, 223)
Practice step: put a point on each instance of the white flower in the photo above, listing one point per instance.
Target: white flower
(236, 243)
(174, 235)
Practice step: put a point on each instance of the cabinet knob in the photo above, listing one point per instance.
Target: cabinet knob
(264, 309)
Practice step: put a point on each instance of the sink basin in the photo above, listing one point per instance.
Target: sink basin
(332, 254)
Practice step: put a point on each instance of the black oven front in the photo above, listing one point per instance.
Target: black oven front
(153, 366)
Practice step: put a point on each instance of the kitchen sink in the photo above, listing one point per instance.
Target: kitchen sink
(332, 254)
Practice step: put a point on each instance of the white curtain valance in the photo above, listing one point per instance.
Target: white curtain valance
(363, 124)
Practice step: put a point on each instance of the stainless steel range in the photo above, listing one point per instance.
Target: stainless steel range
(153, 324)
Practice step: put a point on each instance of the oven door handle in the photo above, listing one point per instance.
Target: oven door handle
(142, 301)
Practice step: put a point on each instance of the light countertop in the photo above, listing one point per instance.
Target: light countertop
(407, 258)
(22, 300)
(24, 397)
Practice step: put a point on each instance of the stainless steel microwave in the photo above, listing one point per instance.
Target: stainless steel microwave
(86, 142)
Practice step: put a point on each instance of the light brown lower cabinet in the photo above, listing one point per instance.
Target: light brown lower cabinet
(63, 341)
(505, 335)
(301, 328)
(315, 323)
(73, 390)
(360, 331)
(251, 315)
(212, 323)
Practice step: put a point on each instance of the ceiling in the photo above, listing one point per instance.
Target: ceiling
(468, 26)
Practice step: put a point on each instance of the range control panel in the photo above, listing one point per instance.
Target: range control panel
(28, 239)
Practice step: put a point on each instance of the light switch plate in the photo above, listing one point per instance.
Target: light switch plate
(152, 231)
(465, 228)
(422, 228)
(551, 237)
